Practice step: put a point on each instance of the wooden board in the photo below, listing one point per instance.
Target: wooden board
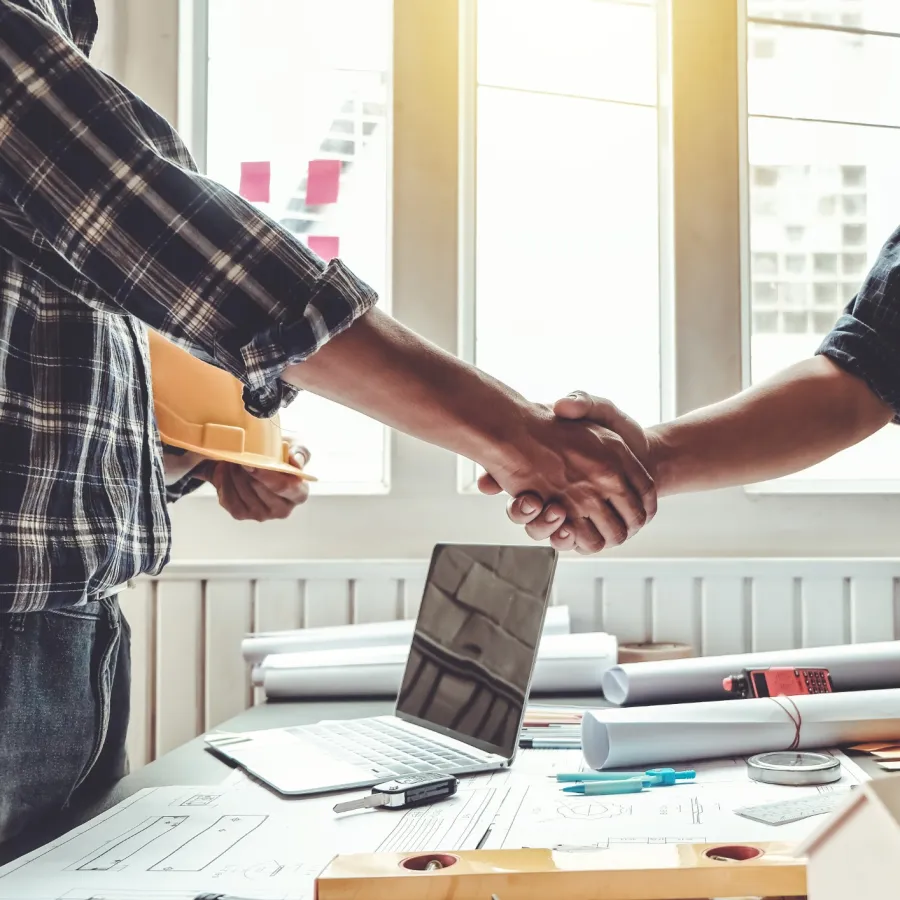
(622, 872)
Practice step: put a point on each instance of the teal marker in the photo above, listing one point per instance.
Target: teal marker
(650, 777)
(595, 788)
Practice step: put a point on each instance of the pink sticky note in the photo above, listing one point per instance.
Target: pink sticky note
(322, 180)
(256, 178)
(325, 247)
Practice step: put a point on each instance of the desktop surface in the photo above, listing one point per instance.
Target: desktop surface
(191, 764)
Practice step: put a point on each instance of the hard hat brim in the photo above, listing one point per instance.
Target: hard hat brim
(250, 460)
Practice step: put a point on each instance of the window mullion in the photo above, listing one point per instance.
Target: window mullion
(193, 68)
(706, 174)
(425, 199)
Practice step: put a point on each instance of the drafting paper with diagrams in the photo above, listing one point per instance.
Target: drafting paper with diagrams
(238, 839)
(536, 814)
(174, 843)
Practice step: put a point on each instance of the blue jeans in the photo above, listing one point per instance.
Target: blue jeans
(64, 702)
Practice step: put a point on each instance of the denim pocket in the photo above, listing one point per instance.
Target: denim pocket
(91, 611)
(54, 685)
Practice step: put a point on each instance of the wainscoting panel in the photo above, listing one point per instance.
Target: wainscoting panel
(187, 626)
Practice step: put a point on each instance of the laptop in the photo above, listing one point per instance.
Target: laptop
(463, 694)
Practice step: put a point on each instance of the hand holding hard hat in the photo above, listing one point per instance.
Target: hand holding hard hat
(200, 408)
(257, 495)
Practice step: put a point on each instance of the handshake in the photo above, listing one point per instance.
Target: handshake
(583, 475)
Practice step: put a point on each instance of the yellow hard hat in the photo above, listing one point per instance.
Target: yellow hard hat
(200, 408)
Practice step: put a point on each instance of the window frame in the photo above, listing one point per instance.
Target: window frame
(467, 471)
(703, 247)
(789, 485)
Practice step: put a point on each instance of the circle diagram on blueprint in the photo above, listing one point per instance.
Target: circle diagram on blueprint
(592, 809)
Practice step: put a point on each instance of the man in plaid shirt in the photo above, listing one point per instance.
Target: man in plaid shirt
(105, 229)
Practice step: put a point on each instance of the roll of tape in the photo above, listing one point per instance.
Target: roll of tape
(634, 653)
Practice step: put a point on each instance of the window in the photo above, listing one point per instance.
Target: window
(565, 198)
(301, 128)
(823, 139)
(564, 288)
(874, 15)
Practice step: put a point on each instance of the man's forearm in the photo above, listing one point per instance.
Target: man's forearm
(794, 420)
(382, 369)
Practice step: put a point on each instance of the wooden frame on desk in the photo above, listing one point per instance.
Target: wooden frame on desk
(626, 872)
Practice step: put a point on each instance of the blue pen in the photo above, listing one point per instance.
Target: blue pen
(651, 776)
(622, 786)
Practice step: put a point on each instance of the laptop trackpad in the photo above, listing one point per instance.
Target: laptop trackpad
(296, 766)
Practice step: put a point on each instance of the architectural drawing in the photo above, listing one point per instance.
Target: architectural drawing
(199, 800)
(592, 808)
(606, 843)
(687, 809)
(239, 841)
(116, 894)
(114, 856)
(202, 850)
(429, 825)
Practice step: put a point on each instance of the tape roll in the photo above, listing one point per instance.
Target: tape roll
(649, 652)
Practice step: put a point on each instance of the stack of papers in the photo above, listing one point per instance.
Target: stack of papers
(885, 753)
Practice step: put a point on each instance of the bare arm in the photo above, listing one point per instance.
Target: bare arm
(384, 370)
(794, 420)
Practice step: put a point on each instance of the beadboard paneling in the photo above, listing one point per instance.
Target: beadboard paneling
(187, 625)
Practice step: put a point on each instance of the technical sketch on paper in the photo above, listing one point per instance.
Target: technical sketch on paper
(210, 799)
(114, 855)
(609, 842)
(180, 842)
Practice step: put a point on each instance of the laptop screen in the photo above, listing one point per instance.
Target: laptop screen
(475, 643)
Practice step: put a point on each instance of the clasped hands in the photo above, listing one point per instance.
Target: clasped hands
(598, 488)
(581, 474)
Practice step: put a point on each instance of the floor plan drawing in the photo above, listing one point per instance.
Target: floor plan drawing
(591, 808)
(427, 824)
(202, 850)
(199, 800)
(114, 894)
(115, 855)
(609, 842)
(167, 843)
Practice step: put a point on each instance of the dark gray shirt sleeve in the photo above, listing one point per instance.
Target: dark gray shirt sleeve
(865, 340)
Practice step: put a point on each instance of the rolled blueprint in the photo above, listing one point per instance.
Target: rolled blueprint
(853, 667)
(256, 647)
(566, 662)
(659, 735)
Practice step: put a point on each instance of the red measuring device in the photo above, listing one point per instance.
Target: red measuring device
(778, 681)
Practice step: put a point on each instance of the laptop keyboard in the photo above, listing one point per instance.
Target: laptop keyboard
(385, 749)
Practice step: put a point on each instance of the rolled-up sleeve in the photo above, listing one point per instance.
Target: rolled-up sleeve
(80, 161)
(866, 338)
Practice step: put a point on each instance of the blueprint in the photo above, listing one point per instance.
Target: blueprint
(238, 839)
(536, 813)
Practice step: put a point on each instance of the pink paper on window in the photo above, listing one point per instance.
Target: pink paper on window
(256, 179)
(325, 247)
(322, 181)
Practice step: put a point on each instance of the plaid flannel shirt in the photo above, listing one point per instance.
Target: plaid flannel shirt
(106, 228)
